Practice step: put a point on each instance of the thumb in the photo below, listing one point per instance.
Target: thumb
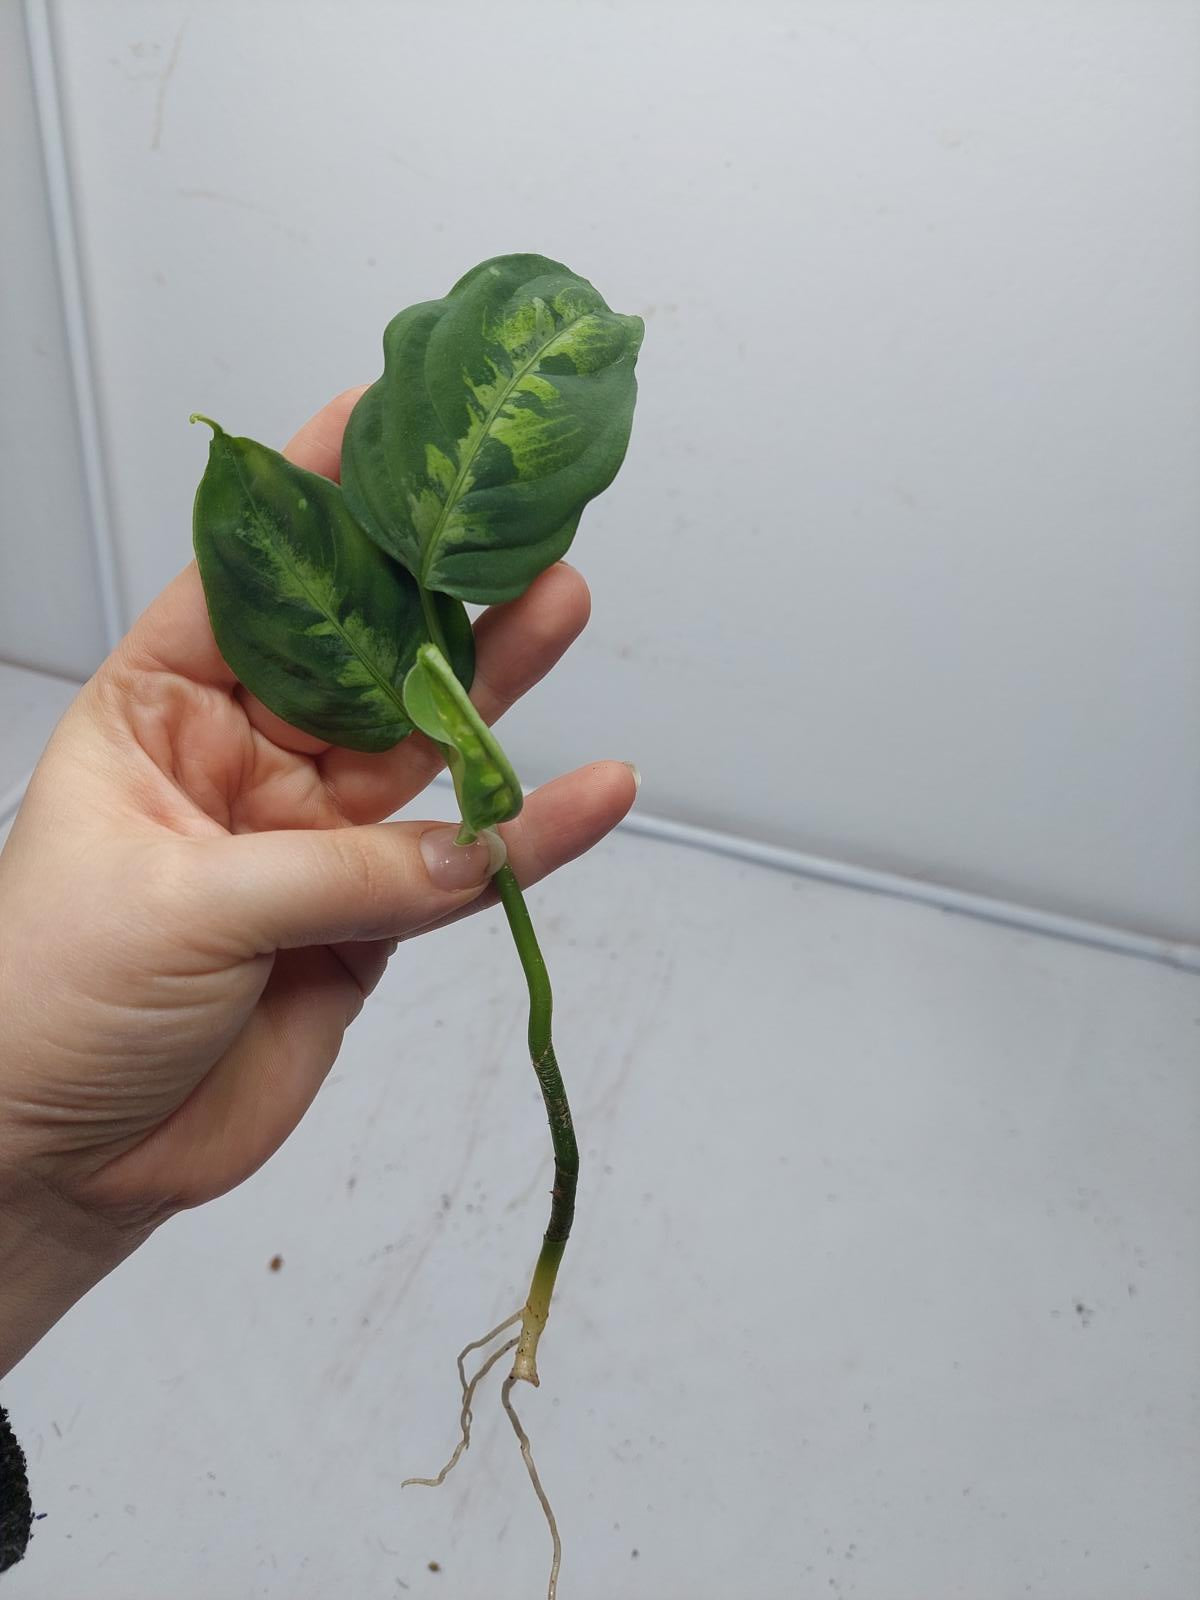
(282, 889)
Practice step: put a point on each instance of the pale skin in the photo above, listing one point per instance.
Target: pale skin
(195, 902)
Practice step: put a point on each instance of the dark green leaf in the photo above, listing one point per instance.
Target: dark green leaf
(486, 785)
(312, 617)
(502, 410)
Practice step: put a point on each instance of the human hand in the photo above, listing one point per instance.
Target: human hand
(195, 901)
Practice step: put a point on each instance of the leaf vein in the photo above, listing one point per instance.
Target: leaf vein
(490, 417)
(294, 571)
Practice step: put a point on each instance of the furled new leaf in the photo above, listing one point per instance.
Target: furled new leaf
(313, 618)
(502, 410)
(486, 785)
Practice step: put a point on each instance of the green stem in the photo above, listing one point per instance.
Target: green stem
(433, 623)
(558, 1114)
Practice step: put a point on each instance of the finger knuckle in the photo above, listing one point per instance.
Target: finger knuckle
(361, 869)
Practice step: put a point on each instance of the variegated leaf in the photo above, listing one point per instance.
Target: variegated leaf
(502, 410)
(313, 618)
(486, 785)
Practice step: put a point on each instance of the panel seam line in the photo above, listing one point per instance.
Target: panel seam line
(73, 305)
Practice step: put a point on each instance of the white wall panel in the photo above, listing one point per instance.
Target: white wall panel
(49, 616)
(904, 564)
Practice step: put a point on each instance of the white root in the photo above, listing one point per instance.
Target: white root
(466, 1417)
(527, 1457)
(468, 1395)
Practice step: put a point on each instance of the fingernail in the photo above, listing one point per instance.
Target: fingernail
(637, 777)
(455, 866)
(497, 849)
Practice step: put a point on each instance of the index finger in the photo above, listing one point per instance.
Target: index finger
(318, 444)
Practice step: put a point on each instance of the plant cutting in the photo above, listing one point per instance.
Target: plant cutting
(502, 409)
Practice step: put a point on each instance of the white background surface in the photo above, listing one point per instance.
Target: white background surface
(30, 705)
(903, 565)
(907, 1303)
(883, 1283)
(48, 613)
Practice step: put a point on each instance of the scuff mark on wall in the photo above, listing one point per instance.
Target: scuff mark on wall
(164, 79)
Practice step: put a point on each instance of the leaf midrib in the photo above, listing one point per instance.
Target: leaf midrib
(469, 459)
(281, 549)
